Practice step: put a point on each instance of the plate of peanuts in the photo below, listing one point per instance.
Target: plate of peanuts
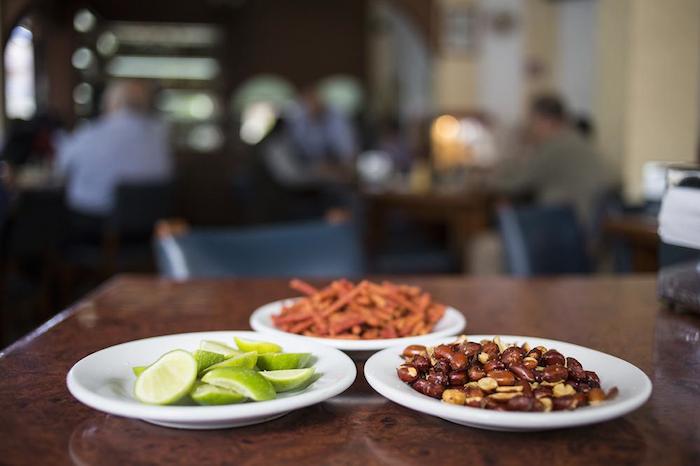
(508, 383)
(363, 316)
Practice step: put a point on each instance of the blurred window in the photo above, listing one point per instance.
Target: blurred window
(20, 94)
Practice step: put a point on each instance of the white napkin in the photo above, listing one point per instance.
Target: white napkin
(679, 218)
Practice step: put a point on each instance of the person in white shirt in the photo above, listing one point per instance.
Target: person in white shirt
(125, 144)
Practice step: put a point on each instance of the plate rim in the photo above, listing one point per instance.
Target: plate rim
(203, 414)
(256, 321)
(486, 419)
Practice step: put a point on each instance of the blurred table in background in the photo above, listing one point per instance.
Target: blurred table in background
(639, 233)
(462, 213)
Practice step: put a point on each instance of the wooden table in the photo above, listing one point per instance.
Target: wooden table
(43, 424)
(463, 214)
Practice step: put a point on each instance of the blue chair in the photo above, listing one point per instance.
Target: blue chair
(314, 249)
(543, 241)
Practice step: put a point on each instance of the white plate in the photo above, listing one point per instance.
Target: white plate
(104, 381)
(452, 323)
(634, 386)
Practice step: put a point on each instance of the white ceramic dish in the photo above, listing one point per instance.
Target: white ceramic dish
(104, 381)
(633, 384)
(452, 323)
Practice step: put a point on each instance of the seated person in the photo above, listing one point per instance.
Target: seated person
(125, 144)
(562, 167)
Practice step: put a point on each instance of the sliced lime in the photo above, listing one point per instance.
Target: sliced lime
(206, 394)
(168, 379)
(291, 379)
(246, 360)
(217, 347)
(245, 381)
(259, 346)
(137, 370)
(206, 359)
(282, 361)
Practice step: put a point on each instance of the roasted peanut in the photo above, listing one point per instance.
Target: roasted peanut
(437, 377)
(407, 373)
(454, 396)
(592, 379)
(536, 353)
(529, 362)
(412, 351)
(442, 352)
(502, 377)
(475, 373)
(470, 349)
(512, 355)
(612, 393)
(490, 348)
(566, 402)
(546, 403)
(421, 363)
(459, 361)
(575, 369)
(430, 389)
(487, 384)
(455, 360)
(493, 365)
(503, 396)
(522, 372)
(483, 357)
(527, 390)
(552, 357)
(509, 388)
(555, 373)
(542, 392)
(520, 403)
(563, 389)
(596, 396)
(458, 377)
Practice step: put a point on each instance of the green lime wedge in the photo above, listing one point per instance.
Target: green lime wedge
(282, 361)
(217, 347)
(246, 360)
(206, 359)
(287, 380)
(245, 381)
(168, 379)
(137, 370)
(259, 346)
(205, 394)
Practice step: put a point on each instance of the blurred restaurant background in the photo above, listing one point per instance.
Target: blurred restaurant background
(335, 138)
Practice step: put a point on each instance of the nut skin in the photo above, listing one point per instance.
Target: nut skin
(442, 366)
(459, 361)
(553, 357)
(437, 377)
(493, 365)
(529, 362)
(555, 373)
(470, 349)
(512, 355)
(576, 371)
(520, 403)
(491, 349)
(475, 373)
(535, 353)
(527, 390)
(457, 378)
(454, 396)
(522, 372)
(407, 373)
(592, 379)
(563, 403)
(502, 377)
(456, 360)
(411, 351)
(443, 352)
(430, 389)
(421, 363)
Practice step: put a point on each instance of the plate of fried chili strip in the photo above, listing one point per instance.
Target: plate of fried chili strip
(363, 316)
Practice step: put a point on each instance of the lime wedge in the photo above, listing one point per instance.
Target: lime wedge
(137, 370)
(284, 381)
(282, 361)
(217, 347)
(206, 359)
(168, 379)
(205, 394)
(246, 360)
(245, 381)
(259, 346)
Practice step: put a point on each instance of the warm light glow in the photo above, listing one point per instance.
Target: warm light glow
(461, 142)
(445, 127)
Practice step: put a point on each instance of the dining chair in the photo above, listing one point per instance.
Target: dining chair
(543, 240)
(307, 249)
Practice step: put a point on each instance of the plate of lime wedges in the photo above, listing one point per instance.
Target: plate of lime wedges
(210, 380)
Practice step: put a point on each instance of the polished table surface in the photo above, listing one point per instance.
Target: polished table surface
(41, 423)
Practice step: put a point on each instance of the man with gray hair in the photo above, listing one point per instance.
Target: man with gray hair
(125, 144)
